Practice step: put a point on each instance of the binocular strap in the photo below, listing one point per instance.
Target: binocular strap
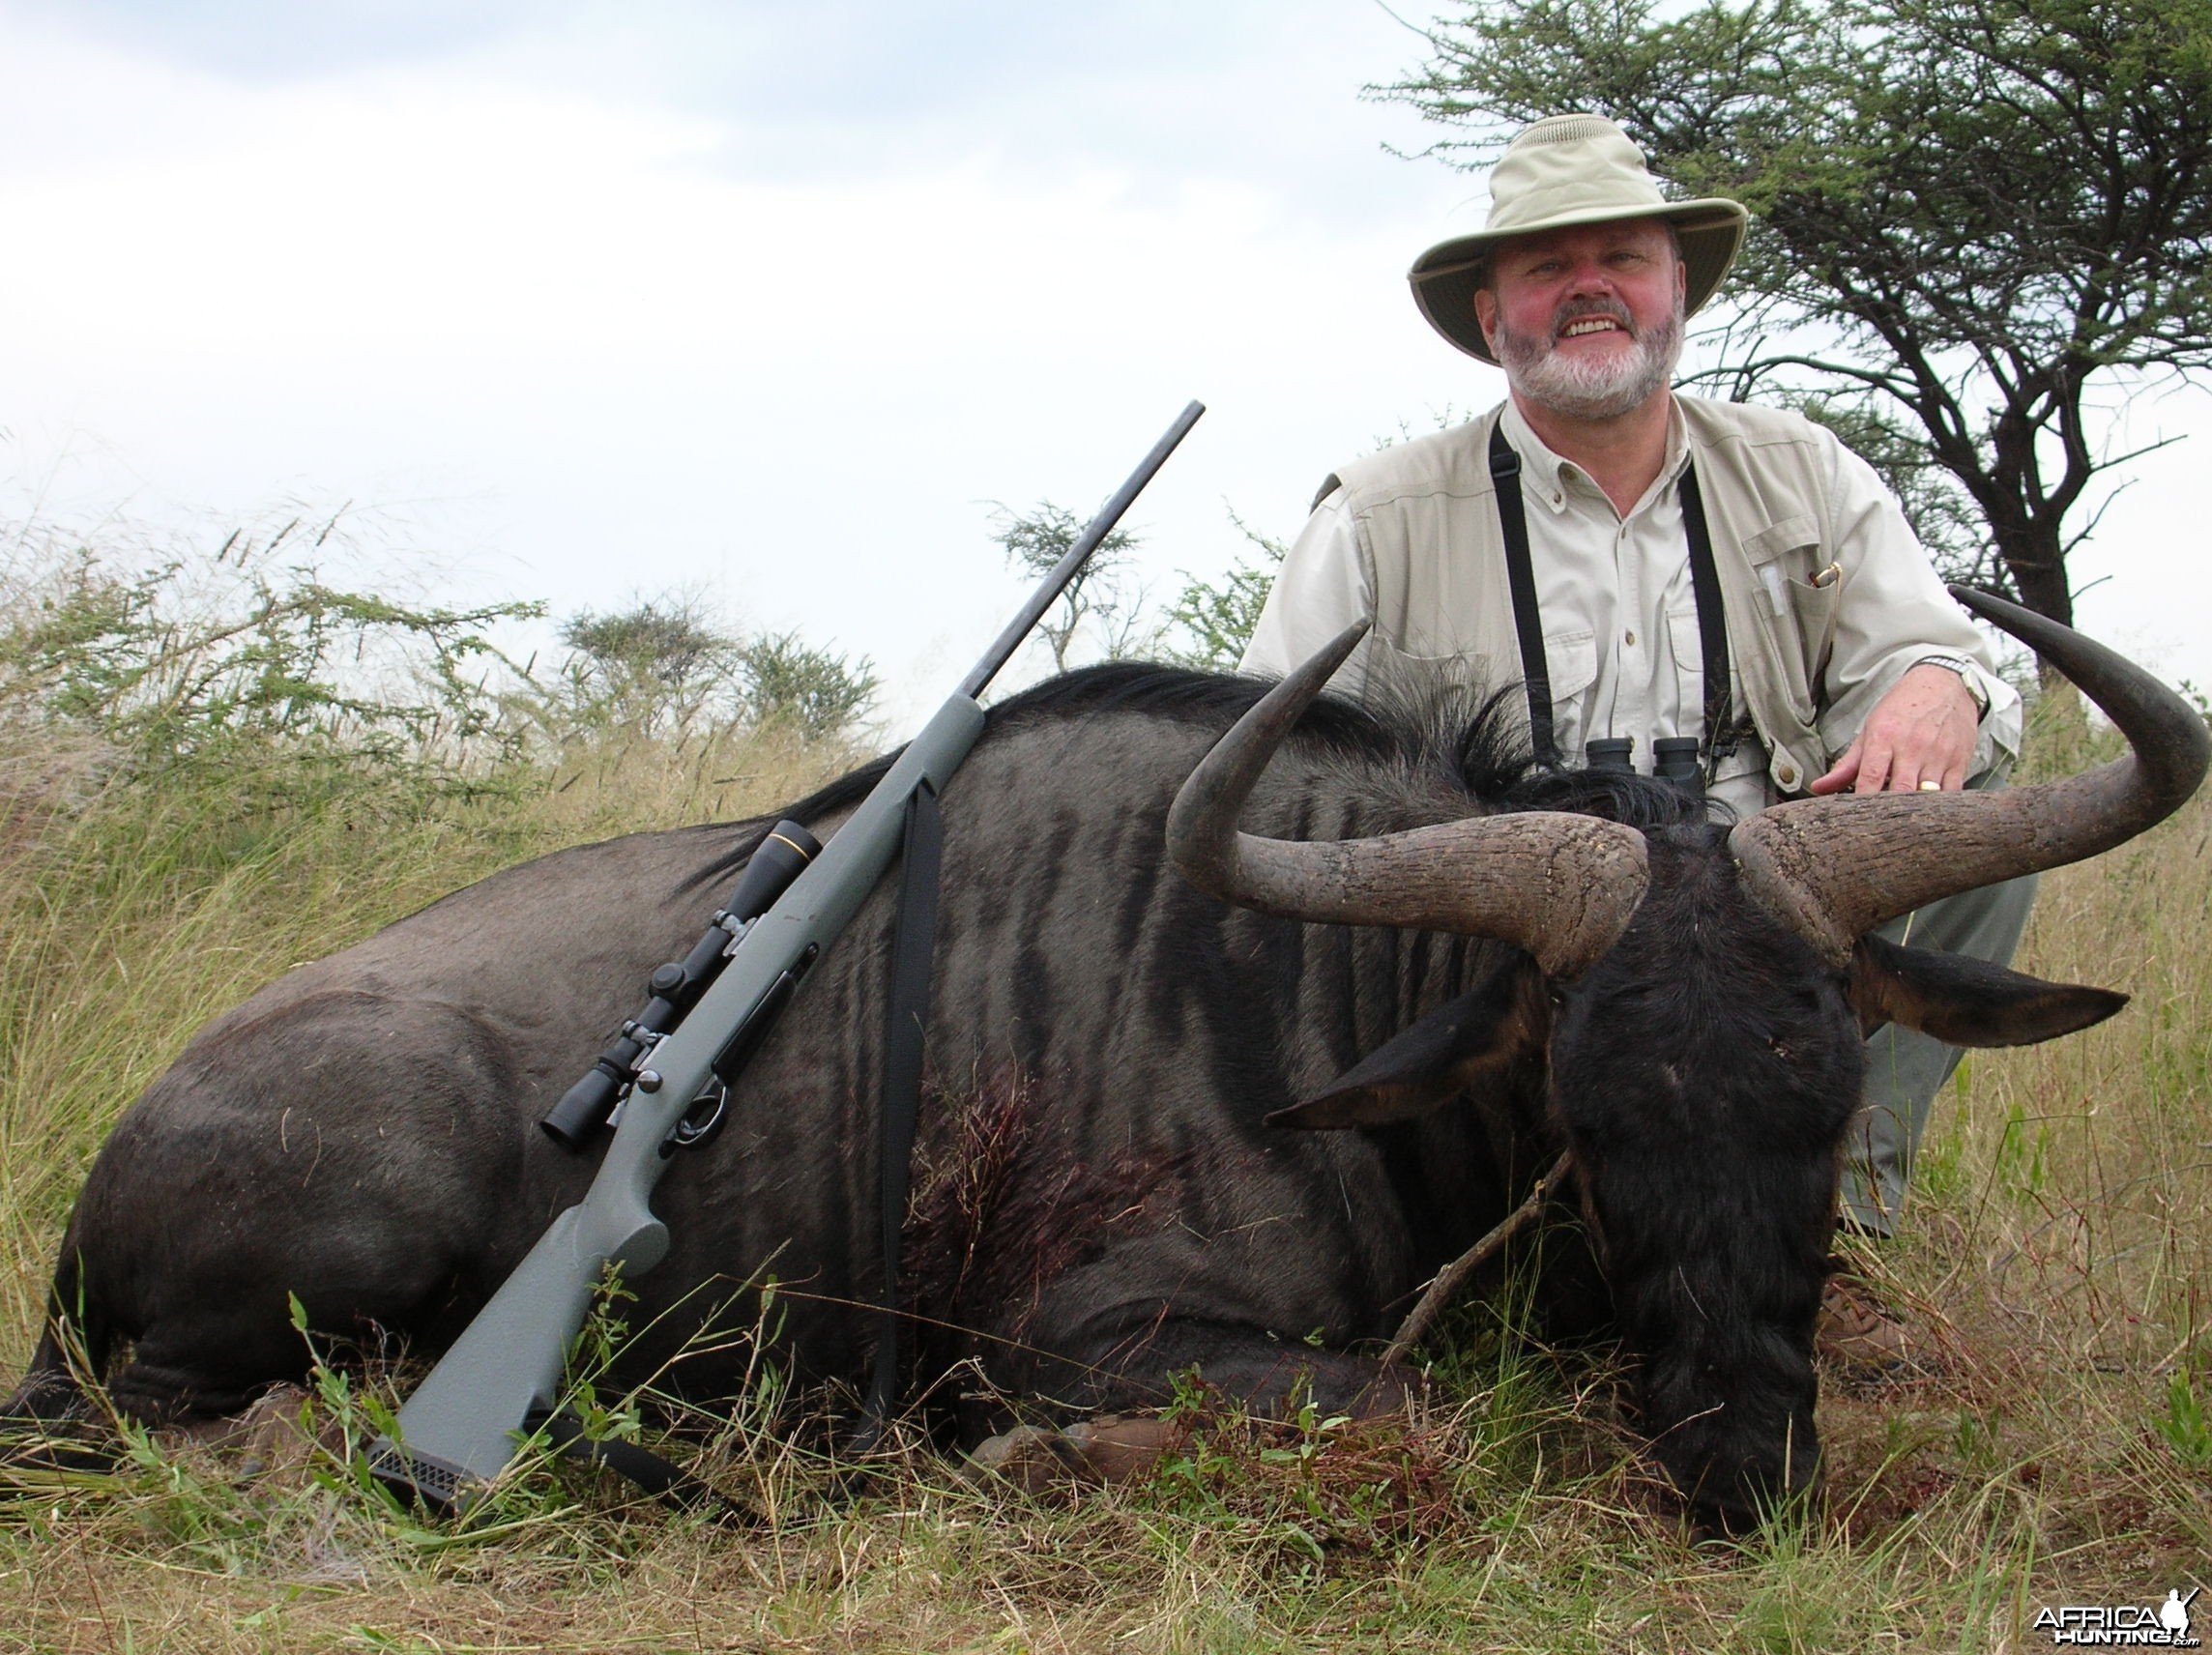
(1528, 624)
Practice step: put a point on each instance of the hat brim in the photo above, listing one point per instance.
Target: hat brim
(1446, 277)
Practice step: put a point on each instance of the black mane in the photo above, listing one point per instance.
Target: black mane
(1473, 740)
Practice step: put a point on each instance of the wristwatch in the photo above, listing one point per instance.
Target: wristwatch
(1968, 675)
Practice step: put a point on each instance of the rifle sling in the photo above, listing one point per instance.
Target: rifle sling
(1529, 625)
(663, 1479)
(906, 1014)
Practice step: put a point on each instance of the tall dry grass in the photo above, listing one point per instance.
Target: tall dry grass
(2055, 1264)
(133, 912)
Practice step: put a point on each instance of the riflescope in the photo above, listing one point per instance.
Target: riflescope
(503, 1376)
(676, 987)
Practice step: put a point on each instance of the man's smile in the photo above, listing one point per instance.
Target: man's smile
(1581, 326)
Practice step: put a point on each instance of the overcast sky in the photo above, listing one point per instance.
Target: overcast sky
(772, 298)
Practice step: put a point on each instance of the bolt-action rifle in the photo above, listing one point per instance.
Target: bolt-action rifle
(664, 1080)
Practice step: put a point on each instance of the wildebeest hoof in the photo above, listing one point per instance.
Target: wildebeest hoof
(272, 1440)
(268, 1444)
(1089, 1453)
(1034, 1458)
(1121, 1450)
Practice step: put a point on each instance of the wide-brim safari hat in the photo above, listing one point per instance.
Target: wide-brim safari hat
(1567, 170)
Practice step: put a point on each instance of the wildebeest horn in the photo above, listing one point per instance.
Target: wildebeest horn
(1834, 868)
(1561, 886)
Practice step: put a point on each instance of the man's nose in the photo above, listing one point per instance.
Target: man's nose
(1589, 276)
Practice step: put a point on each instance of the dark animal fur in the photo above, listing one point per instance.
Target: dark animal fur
(1106, 1206)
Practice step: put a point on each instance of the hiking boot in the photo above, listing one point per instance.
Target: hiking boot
(1857, 1335)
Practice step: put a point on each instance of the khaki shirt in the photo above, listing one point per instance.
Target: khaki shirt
(1829, 598)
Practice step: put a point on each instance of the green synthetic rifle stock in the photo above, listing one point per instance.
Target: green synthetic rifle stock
(461, 1427)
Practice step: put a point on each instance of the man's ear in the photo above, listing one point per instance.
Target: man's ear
(1486, 316)
(1456, 1046)
(1967, 1001)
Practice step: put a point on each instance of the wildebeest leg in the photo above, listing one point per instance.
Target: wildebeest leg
(339, 1156)
(1244, 1367)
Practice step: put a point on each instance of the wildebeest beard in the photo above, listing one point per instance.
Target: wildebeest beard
(1705, 1110)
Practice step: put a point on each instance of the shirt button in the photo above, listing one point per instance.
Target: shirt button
(1632, 640)
(1785, 774)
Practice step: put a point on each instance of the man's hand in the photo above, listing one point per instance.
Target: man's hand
(1921, 732)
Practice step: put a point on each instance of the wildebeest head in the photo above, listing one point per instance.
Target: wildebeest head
(1701, 994)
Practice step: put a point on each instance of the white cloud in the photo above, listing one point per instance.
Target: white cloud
(602, 305)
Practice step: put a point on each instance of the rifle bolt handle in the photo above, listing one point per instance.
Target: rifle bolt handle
(649, 1080)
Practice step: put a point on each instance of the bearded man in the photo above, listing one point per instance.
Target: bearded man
(1661, 569)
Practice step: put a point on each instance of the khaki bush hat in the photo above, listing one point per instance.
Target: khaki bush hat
(1566, 170)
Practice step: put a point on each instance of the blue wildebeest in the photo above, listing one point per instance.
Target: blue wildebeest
(1455, 962)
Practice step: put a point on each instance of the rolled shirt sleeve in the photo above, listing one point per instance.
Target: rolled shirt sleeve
(1894, 614)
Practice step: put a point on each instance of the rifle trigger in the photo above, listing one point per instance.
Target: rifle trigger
(700, 1127)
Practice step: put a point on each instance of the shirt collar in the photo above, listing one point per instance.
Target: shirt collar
(1548, 477)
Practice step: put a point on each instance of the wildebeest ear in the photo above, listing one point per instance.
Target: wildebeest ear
(1967, 1001)
(1429, 1064)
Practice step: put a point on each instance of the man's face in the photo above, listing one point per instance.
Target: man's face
(1587, 322)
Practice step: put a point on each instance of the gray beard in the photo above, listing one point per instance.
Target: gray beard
(1577, 389)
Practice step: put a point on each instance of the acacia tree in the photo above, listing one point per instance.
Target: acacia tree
(1974, 220)
(1103, 595)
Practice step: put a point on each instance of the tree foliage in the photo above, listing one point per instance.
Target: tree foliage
(1209, 626)
(1104, 599)
(665, 664)
(816, 690)
(1974, 220)
(221, 662)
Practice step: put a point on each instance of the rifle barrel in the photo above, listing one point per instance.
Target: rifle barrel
(457, 1431)
(1008, 641)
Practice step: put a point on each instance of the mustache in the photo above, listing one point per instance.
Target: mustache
(1574, 310)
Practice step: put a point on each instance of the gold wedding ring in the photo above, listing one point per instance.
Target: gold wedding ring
(1930, 787)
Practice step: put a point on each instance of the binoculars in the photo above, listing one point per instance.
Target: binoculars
(1673, 758)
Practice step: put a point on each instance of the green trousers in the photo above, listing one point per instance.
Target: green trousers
(1905, 1070)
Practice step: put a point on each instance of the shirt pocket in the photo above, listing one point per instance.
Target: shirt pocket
(1570, 661)
(1689, 644)
(1803, 596)
(1417, 679)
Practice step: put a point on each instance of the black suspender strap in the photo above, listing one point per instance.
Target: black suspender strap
(1520, 577)
(906, 1012)
(1712, 621)
(1527, 623)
